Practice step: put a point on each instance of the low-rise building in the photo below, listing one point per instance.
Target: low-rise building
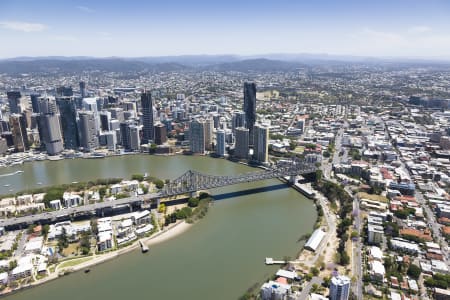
(403, 245)
(314, 241)
(273, 290)
(375, 234)
(377, 270)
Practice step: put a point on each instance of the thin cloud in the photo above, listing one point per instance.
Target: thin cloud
(23, 26)
(382, 35)
(64, 38)
(85, 9)
(419, 29)
(106, 36)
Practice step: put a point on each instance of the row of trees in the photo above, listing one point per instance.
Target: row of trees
(336, 194)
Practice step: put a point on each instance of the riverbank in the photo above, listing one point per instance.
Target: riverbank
(237, 218)
(166, 234)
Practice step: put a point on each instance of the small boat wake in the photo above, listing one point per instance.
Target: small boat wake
(11, 174)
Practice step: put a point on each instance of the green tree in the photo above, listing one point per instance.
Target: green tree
(162, 208)
(138, 177)
(45, 230)
(345, 259)
(414, 271)
(63, 241)
(315, 271)
(193, 202)
(102, 192)
(94, 226)
(12, 264)
(85, 243)
(53, 193)
(158, 183)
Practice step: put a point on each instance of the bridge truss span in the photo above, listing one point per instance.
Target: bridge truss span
(193, 181)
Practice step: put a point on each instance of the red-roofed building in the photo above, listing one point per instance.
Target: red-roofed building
(444, 220)
(282, 280)
(425, 234)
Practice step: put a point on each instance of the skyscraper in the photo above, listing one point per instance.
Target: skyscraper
(88, 130)
(68, 113)
(64, 91)
(261, 143)
(147, 117)
(220, 142)
(105, 119)
(250, 107)
(14, 102)
(197, 136)
(124, 136)
(135, 139)
(339, 288)
(35, 102)
(83, 89)
(47, 105)
(19, 132)
(49, 126)
(241, 144)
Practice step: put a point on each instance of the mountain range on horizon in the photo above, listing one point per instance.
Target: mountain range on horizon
(259, 63)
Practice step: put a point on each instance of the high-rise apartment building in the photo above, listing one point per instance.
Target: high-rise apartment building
(261, 143)
(220, 142)
(241, 145)
(197, 136)
(340, 288)
(160, 134)
(238, 120)
(209, 128)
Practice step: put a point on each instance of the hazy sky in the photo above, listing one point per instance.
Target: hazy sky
(411, 28)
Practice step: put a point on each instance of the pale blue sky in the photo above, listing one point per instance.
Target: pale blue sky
(408, 28)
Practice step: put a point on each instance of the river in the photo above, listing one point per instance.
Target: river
(218, 258)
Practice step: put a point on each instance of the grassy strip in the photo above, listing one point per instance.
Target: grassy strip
(74, 262)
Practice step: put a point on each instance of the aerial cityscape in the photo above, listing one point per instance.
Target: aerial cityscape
(170, 170)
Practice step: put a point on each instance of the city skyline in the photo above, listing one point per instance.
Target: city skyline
(103, 29)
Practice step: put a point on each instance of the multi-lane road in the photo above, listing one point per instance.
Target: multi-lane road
(74, 211)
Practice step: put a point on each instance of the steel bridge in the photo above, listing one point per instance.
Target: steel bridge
(189, 182)
(193, 181)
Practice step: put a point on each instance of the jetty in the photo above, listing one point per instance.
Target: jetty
(144, 247)
(270, 261)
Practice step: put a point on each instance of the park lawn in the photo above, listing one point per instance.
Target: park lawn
(71, 250)
(378, 198)
(74, 262)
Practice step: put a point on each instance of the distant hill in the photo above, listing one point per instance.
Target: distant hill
(78, 65)
(190, 60)
(257, 65)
